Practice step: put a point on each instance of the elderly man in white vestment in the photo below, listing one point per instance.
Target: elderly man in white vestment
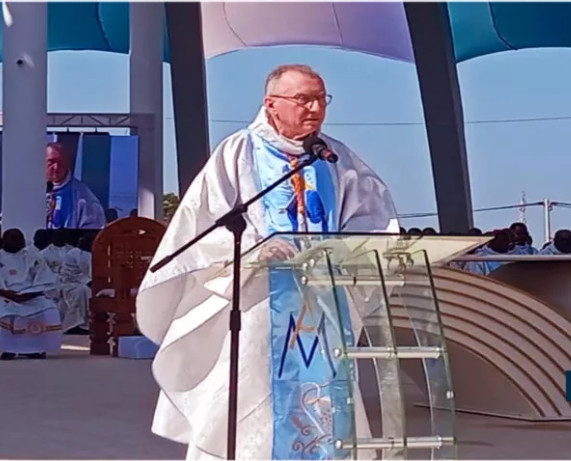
(185, 308)
(30, 324)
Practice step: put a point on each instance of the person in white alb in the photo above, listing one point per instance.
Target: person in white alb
(179, 308)
(30, 323)
(76, 286)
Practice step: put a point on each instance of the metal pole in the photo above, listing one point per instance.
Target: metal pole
(146, 97)
(24, 89)
(188, 75)
(431, 38)
(547, 218)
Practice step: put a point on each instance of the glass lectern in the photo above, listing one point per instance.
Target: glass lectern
(331, 306)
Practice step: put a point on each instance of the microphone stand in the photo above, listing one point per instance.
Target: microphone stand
(234, 221)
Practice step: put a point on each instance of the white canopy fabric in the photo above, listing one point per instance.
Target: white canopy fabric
(376, 28)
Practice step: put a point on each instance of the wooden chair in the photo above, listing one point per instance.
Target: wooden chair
(121, 254)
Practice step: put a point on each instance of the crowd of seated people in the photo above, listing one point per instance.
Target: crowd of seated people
(514, 240)
(44, 291)
(45, 286)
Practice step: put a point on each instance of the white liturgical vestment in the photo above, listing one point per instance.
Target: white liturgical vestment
(184, 307)
(75, 291)
(34, 325)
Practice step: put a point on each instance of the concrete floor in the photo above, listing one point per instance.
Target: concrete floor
(76, 406)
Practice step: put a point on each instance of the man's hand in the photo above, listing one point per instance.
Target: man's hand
(277, 250)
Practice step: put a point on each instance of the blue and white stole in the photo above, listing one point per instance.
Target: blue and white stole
(310, 387)
(60, 207)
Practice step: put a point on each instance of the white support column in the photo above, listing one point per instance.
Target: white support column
(24, 91)
(146, 98)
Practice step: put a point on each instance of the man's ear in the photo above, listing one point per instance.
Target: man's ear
(269, 103)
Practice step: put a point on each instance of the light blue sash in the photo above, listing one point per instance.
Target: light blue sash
(310, 388)
(281, 205)
(62, 215)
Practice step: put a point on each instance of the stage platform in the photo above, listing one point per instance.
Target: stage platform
(77, 406)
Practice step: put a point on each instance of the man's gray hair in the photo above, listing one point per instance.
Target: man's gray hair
(277, 73)
(59, 148)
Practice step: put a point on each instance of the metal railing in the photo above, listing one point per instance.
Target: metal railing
(546, 203)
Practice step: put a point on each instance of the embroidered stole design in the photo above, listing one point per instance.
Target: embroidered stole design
(298, 184)
(310, 387)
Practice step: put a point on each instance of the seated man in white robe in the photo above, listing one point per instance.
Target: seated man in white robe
(30, 324)
(55, 252)
(54, 255)
(561, 244)
(76, 287)
(179, 309)
(500, 245)
(42, 239)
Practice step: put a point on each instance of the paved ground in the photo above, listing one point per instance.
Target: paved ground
(80, 407)
(77, 406)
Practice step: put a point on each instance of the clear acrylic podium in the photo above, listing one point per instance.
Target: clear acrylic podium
(346, 284)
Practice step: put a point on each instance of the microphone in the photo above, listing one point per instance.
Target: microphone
(316, 146)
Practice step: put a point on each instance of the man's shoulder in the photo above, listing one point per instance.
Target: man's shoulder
(32, 255)
(232, 146)
(350, 161)
(77, 182)
(333, 142)
(347, 156)
(234, 140)
(74, 251)
(83, 188)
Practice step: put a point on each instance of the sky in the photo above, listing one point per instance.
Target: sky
(376, 110)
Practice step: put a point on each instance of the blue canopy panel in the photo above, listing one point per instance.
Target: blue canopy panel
(90, 26)
(477, 28)
(484, 28)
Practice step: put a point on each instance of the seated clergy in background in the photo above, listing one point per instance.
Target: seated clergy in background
(179, 307)
(70, 203)
(501, 244)
(523, 240)
(55, 252)
(111, 215)
(76, 286)
(30, 324)
(460, 264)
(561, 244)
(42, 239)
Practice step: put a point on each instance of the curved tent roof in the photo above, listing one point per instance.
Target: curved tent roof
(484, 28)
(376, 28)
